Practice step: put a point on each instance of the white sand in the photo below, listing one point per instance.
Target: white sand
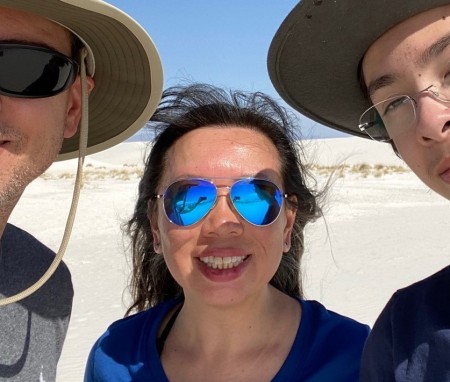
(381, 234)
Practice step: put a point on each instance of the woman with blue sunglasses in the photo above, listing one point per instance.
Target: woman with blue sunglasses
(217, 239)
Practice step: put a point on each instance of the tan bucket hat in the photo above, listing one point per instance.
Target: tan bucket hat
(123, 61)
(314, 58)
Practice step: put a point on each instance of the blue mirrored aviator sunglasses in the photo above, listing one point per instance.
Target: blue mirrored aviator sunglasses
(28, 71)
(187, 201)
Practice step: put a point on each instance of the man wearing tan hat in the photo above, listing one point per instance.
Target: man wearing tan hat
(52, 52)
(381, 70)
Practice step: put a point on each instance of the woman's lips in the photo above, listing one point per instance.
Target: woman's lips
(226, 262)
(223, 264)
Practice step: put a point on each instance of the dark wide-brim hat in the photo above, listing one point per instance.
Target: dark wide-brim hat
(314, 57)
(123, 61)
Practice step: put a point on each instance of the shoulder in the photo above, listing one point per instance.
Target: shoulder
(337, 333)
(329, 344)
(128, 339)
(430, 294)
(436, 283)
(330, 322)
(400, 332)
(25, 259)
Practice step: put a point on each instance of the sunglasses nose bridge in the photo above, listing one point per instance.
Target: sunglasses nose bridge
(223, 192)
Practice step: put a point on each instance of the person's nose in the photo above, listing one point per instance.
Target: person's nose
(222, 220)
(432, 119)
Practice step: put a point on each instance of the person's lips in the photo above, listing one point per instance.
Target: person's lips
(3, 142)
(444, 169)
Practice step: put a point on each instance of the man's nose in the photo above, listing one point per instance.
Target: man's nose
(432, 119)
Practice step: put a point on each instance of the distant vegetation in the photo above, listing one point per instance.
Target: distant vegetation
(127, 172)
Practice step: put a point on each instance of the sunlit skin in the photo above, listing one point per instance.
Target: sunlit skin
(32, 130)
(221, 313)
(400, 55)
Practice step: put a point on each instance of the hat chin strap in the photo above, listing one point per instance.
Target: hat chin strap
(76, 193)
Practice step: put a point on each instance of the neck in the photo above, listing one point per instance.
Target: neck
(228, 329)
(6, 208)
(244, 342)
(3, 220)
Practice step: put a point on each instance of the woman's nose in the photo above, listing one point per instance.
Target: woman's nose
(222, 220)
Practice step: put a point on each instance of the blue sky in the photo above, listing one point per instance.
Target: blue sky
(224, 43)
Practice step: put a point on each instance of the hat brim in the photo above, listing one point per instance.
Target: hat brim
(314, 57)
(128, 72)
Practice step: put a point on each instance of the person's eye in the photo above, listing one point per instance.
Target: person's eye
(393, 104)
(447, 79)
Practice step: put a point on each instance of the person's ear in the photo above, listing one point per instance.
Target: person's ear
(74, 106)
(153, 220)
(156, 242)
(291, 214)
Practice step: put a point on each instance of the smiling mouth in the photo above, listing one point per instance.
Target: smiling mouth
(223, 262)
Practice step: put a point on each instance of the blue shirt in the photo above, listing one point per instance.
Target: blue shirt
(410, 340)
(327, 347)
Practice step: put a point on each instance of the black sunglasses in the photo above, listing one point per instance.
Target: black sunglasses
(28, 71)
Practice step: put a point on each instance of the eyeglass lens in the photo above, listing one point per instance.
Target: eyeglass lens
(34, 72)
(187, 201)
(389, 118)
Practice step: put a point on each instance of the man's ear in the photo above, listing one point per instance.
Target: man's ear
(74, 106)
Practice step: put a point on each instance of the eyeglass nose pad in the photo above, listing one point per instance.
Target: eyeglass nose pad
(434, 92)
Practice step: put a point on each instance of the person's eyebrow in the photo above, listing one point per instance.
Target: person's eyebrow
(428, 55)
(28, 42)
(434, 50)
(379, 83)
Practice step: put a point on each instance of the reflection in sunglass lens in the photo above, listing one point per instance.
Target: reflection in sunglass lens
(258, 201)
(188, 201)
(34, 72)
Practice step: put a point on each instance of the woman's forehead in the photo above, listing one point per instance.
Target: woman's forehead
(221, 151)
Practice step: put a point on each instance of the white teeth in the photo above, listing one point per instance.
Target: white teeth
(222, 262)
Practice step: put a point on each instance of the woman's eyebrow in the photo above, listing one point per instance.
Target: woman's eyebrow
(434, 50)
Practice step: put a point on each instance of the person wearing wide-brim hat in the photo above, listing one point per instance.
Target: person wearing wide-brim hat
(381, 70)
(55, 55)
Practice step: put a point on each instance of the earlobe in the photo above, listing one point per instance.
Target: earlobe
(74, 106)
